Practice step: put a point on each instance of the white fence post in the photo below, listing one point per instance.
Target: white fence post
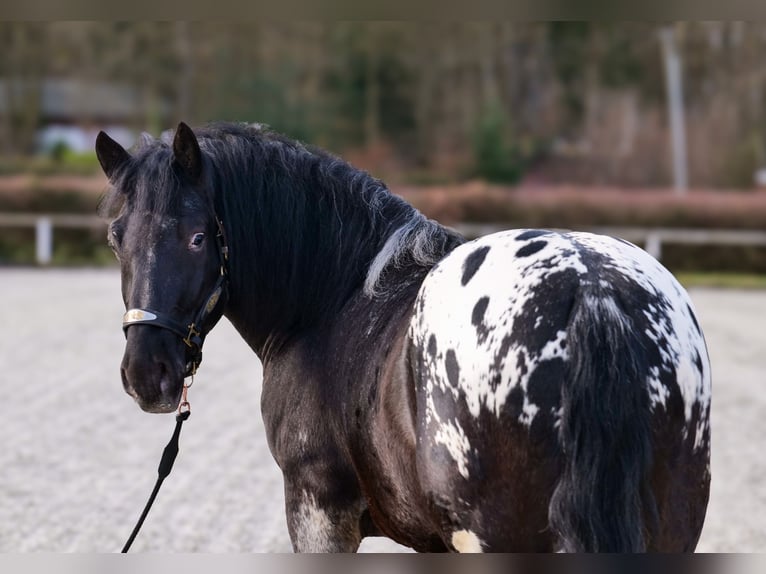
(44, 240)
(653, 245)
(674, 88)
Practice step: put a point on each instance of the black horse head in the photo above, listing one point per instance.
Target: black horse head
(169, 242)
(308, 231)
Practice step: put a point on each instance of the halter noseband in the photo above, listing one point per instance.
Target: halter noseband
(193, 334)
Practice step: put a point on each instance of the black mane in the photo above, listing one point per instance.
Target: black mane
(312, 228)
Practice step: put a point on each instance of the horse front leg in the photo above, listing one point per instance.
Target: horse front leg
(322, 515)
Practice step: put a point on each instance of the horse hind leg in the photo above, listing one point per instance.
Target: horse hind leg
(499, 507)
(460, 532)
(494, 527)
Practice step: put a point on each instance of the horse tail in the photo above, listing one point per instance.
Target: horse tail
(602, 502)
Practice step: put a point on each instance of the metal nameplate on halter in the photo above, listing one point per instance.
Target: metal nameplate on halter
(135, 315)
(211, 303)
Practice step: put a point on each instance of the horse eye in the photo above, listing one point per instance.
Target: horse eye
(197, 239)
(113, 239)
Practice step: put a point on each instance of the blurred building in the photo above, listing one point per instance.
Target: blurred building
(71, 111)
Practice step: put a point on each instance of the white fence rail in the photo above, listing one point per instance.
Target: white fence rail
(44, 226)
(652, 238)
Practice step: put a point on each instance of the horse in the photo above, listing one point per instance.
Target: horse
(528, 391)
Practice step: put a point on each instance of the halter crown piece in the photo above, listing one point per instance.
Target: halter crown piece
(193, 334)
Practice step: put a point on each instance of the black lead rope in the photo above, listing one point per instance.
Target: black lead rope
(166, 465)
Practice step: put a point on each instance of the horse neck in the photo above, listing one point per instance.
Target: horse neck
(301, 247)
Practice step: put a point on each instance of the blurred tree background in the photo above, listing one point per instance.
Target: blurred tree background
(575, 102)
(559, 124)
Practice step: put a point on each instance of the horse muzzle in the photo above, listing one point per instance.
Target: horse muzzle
(153, 369)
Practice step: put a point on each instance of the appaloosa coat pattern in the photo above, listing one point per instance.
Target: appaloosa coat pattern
(493, 336)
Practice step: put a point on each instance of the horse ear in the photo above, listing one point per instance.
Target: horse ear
(187, 152)
(111, 155)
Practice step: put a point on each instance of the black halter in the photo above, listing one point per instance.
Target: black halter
(194, 333)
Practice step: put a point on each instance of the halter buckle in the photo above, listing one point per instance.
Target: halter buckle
(192, 333)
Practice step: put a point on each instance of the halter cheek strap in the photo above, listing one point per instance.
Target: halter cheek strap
(193, 334)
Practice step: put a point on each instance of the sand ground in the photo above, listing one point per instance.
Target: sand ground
(79, 458)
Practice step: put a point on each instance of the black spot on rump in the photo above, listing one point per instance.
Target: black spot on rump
(477, 317)
(531, 234)
(472, 263)
(453, 369)
(546, 311)
(531, 248)
(514, 404)
(432, 345)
